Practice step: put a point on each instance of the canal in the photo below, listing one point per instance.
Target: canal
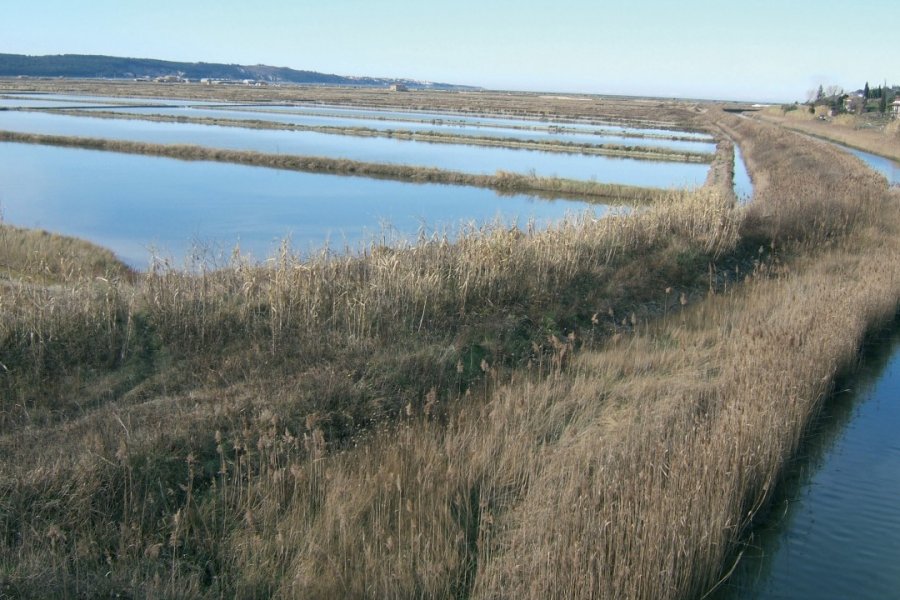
(834, 527)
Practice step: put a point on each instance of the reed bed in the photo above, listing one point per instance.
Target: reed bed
(876, 134)
(593, 411)
(36, 253)
(301, 309)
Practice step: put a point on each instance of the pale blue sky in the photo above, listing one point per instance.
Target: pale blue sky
(753, 50)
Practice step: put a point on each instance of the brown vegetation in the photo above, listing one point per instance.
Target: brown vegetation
(875, 134)
(51, 257)
(597, 410)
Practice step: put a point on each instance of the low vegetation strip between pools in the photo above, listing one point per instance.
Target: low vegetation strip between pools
(502, 181)
(562, 125)
(623, 151)
(656, 114)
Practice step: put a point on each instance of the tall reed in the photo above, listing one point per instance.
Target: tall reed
(347, 426)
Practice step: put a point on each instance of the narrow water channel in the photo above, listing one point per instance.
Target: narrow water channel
(880, 164)
(834, 527)
(743, 186)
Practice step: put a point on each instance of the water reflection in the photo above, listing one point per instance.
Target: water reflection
(444, 127)
(131, 203)
(885, 166)
(834, 531)
(454, 157)
(743, 186)
(481, 120)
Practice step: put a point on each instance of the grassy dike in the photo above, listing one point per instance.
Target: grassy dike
(597, 410)
(502, 181)
(856, 131)
(48, 257)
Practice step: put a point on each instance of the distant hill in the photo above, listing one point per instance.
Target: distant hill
(113, 67)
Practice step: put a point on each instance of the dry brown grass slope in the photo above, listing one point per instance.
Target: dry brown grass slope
(416, 423)
(871, 133)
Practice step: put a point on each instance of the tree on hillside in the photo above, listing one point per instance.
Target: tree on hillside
(866, 91)
(820, 93)
(882, 103)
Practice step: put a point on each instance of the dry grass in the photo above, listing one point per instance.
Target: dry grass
(627, 468)
(292, 312)
(721, 171)
(53, 258)
(868, 132)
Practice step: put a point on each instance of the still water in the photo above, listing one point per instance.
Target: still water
(454, 157)
(743, 186)
(483, 121)
(74, 100)
(834, 531)
(885, 166)
(444, 127)
(345, 112)
(131, 204)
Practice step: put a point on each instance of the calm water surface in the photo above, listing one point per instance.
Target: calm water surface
(370, 113)
(743, 186)
(455, 157)
(361, 113)
(834, 531)
(885, 166)
(323, 120)
(131, 203)
(10, 102)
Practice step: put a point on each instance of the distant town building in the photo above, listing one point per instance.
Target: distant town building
(895, 108)
(399, 87)
(854, 103)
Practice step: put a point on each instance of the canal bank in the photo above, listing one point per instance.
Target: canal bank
(834, 527)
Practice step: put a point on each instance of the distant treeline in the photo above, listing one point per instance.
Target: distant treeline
(113, 67)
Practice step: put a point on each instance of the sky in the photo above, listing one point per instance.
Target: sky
(766, 50)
